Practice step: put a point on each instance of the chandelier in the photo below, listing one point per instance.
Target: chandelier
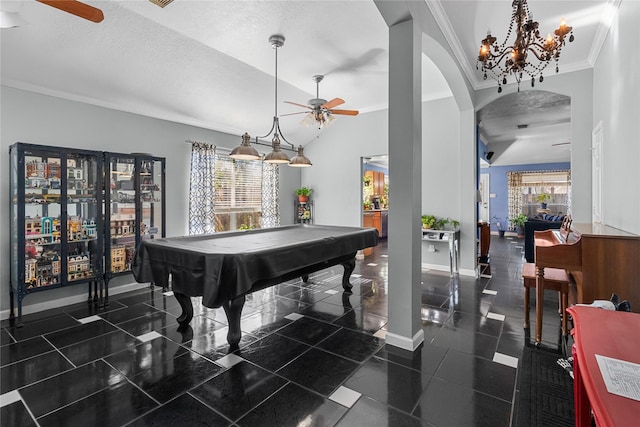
(246, 152)
(516, 59)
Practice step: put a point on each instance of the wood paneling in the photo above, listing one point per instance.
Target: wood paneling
(610, 263)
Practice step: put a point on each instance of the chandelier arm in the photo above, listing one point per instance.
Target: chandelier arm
(499, 56)
(270, 145)
(273, 126)
(535, 53)
(277, 125)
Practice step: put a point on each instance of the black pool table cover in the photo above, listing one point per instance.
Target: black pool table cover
(222, 266)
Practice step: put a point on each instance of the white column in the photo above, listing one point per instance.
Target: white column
(405, 154)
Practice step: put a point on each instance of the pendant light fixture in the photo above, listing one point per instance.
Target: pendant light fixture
(246, 152)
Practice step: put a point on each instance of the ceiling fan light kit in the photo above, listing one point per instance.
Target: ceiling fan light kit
(11, 19)
(502, 60)
(246, 152)
(321, 111)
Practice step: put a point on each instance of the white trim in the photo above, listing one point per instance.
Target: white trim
(601, 32)
(442, 267)
(450, 36)
(403, 342)
(61, 302)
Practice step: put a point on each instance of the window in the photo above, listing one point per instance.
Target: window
(524, 187)
(227, 194)
(238, 196)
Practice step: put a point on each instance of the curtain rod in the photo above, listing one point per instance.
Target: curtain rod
(189, 141)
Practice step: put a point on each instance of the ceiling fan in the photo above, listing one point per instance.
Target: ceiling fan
(321, 111)
(77, 8)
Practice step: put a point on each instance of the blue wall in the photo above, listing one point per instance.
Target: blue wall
(369, 167)
(498, 206)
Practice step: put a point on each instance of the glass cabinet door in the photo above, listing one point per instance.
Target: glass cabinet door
(83, 210)
(122, 213)
(151, 185)
(42, 218)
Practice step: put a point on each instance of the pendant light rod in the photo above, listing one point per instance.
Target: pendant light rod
(277, 41)
(276, 156)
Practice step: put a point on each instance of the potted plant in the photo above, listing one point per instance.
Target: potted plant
(543, 198)
(303, 194)
(428, 221)
(440, 223)
(518, 222)
(499, 225)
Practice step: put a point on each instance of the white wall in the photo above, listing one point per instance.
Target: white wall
(616, 91)
(335, 176)
(39, 119)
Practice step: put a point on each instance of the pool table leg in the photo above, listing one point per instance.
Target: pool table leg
(187, 308)
(233, 309)
(349, 266)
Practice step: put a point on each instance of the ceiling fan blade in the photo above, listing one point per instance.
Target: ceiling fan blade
(77, 8)
(345, 112)
(333, 103)
(299, 105)
(293, 114)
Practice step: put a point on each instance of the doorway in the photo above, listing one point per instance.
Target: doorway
(483, 188)
(375, 193)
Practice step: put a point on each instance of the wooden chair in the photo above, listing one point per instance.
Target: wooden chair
(555, 279)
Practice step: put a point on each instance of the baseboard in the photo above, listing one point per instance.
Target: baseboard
(74, 299)
(506, 234)
(403, 342)
(440, 267)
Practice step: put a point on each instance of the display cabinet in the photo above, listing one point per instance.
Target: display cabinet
(135, 207)
(56, 234)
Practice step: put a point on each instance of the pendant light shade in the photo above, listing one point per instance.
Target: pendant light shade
(277, 155)
(300, 160)
(245, 151)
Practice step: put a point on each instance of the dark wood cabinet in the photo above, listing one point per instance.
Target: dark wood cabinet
(610, 263)
(377, 180)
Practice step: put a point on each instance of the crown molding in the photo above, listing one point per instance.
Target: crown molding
(454, 43)
(602, 31)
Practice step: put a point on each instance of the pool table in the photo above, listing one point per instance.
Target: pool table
(224, 267)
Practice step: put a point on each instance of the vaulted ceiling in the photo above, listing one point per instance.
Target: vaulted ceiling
(209, 63)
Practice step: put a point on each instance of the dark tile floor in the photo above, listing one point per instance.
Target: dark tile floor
(310, 356)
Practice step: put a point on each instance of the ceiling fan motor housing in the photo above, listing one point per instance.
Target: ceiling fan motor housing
(317, 102)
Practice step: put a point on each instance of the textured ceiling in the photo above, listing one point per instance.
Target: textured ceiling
(209, 63)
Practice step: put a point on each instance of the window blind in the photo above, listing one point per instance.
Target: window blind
(238, 185)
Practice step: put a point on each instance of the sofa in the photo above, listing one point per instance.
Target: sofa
(538, 223)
